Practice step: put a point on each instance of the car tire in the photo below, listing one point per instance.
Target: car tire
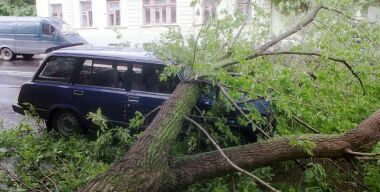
(7, 54)
(67, 123)
(27, 56)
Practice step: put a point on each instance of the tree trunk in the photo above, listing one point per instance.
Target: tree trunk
(145, 167)
(209, 165)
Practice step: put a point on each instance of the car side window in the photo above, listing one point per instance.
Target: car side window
(147, 78)
(58, 69)
(47, 29)
(102, 73)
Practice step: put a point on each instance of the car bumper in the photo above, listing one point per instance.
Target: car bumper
(18, 109)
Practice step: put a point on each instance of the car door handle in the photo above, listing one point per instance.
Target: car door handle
(133, 99)
(78, 92)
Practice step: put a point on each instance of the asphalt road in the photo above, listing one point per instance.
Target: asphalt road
(12, 75)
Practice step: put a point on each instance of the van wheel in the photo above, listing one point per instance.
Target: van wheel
(27, 56)
(66, 123)
(7, 54)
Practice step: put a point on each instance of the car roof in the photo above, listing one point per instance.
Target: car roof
(115, 53)
(29, 19)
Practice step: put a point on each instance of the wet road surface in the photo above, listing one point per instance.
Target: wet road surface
(12, 75)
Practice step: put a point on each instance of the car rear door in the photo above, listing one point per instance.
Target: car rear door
(146, 92)
(97, 86)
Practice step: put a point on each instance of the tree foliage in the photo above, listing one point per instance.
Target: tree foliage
(17, 8)
(326, 83)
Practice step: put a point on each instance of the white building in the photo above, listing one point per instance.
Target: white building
(104, 22)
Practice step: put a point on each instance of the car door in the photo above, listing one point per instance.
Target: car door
(98, 86)
(48, 36)
(146, 92)
(28, 38)
(50, 87)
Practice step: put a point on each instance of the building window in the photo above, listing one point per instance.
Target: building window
(160, 12)
(56, 11)
(244, 7)
(113, 13)
(86, 13)
(209, 9)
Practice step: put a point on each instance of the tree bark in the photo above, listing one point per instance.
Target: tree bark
(199, 167)
(145, 167)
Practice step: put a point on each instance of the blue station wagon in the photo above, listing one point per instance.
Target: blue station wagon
(72, 82)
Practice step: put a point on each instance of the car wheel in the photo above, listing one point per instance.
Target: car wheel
(7, 54)
(66, 123)
(27, 56)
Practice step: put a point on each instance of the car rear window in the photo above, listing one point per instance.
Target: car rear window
(58, 69)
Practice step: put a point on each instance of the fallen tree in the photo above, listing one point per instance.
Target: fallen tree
(148, 165)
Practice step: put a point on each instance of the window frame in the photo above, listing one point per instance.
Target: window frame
(114, 12)
(58, 13)
(88, 13)
(155, 8)
(37, 78)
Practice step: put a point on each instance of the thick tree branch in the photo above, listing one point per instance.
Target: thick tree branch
(308, 19)
(228, 159)
(143, 166)
(209, 165)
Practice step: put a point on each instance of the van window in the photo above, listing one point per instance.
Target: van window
(147, 78)
(6, 27)
(58, 69)
(102, 73)
(47, 29)
(27, 28)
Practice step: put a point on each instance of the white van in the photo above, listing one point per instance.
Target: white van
(28, 36)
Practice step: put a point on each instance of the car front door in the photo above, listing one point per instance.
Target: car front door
(98, 86)
(48, 36)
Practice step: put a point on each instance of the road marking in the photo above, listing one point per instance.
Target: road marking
(17, 73)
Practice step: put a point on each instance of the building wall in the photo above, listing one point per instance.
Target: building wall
(132, 28)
